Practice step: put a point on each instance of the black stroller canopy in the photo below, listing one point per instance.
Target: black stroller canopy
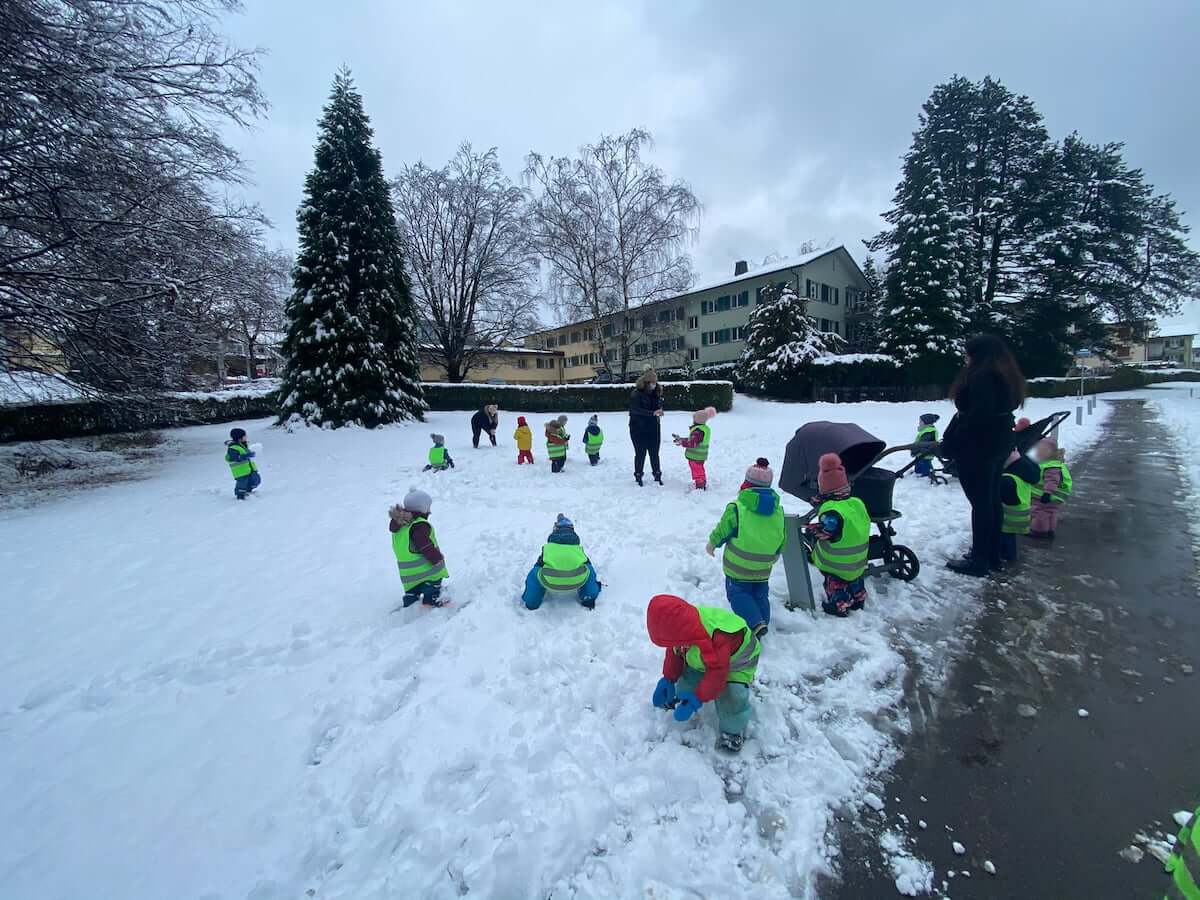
(857, 448)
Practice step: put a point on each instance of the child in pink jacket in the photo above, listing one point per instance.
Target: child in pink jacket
(695, 445)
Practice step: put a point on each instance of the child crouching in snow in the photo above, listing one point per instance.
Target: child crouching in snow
(695, 445)
(842, 530)
(711, 655)
(524, 438)
(562, 568)
(1052, 492)
(241, 464)
(557, 441)
(439, 457)
(422, 565)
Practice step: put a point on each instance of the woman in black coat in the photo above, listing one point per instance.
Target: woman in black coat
(645, 426)
(980, 438)
(487, 419)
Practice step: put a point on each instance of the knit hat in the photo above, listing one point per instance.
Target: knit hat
(831, 477)
(437, 439)
(237, 434)
(594, 420)
(416, 500)
(701, 416)
(563, 522)
(1050, 442)
(929, 418)
(561, 420)
(760, 474)
(521, 421)
(1022, 424)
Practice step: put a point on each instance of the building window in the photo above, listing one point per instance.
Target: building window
(522, 362)
(664, 315)
(810, 289)
(609, 330)
(739, 333)
(680, 314)
(836, 327)
(575, 337)
(610, 355)
(706, 307)
(481, 362)
(835, 297)
(693, 323)
(825, 295)
(545, 363)
(825, 325)
(693, 353)
(639, 350)
(743, 299)
(722, 336)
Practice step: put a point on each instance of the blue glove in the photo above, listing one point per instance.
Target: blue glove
(664, 693)
(686, 706)
(1046, 498)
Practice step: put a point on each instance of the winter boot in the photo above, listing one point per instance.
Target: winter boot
(638, 479)
(658, 478)
(588, 604)
(841, 609)
(760, 630)
(731, 742)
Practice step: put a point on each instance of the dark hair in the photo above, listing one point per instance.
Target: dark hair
(987, 352)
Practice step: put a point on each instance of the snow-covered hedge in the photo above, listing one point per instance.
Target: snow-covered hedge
(1123, 379)
(568, 398)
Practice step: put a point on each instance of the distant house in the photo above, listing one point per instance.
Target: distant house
(1171, 349)
(502, 365)
(22, 350)
(1128, 340)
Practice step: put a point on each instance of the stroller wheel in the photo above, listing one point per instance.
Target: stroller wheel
(903, 563)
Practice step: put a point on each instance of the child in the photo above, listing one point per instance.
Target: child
(927, 433)
(421, 564)
(562, 568)
(1053, 490)
(439, 457)
(711, 655)
(524, 438)
(557, 440)
(1016, 492)
(752, 533)
(241, 464)
(843, 533)
(696, 445)
(593, 439)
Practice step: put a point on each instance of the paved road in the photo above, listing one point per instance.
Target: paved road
(1108, 620)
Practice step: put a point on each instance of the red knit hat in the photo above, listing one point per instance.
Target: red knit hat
(831, 477)
(1022, 424)
(521, 420)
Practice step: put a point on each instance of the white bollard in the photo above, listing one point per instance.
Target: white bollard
(1079, 415)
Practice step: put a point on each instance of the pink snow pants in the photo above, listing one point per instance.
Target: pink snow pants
(1043, 517)
(698, 475)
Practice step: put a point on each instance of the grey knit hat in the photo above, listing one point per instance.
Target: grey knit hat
(594, 420)
(437, 439)
(418, 501)
(561, 420)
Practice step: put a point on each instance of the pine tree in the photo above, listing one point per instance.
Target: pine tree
(923, 322)
(862, 323)
(780, 341)
(351, 341)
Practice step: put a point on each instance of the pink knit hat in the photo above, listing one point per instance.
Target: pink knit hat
(701, 416)
(760, 474)
(831, 477)
(1050, 441)
(1022, 424)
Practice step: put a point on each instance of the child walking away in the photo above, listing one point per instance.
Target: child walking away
(1016, 495)
(439, 457)
(421, 564)
(695, 445)
(711, 655)
(593, 440)
(557, 440)
(843, 532)
(562, 569)
(927, 433)
(524, 438)
(1053, 491)
(241, 464)
(751, 531)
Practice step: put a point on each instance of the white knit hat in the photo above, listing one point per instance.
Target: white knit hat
(416, 500)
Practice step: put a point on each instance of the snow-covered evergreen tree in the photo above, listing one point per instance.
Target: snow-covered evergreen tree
(780, 340)
(351, 340)
(923, 322)
(862, 319)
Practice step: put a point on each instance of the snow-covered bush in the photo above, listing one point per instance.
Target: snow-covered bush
(781, 341)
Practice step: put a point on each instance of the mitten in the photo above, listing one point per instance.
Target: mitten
(399, 514)
(664, 693)
(1046, 498)
(710, 549)
(686, 705)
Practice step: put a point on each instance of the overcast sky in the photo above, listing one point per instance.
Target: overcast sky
(788, 119)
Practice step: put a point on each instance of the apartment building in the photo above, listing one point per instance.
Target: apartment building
(503, 365)
(707, 324)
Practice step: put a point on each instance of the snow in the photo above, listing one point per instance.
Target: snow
(259, 387)
(989, 867)
(958, 848)
(913, 876)
(216, 699)
(19, 387)
(1182, 817)
(833, 359)
(1082, 713)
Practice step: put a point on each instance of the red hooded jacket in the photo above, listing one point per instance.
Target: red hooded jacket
(675, 624)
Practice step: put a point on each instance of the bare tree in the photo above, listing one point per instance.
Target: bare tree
(614, 232)
(466, 244)
(248, 304)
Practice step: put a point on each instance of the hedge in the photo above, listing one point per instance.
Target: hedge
(35, 422)
(1120, 380)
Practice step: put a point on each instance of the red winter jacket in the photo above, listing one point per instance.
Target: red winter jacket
(694, 439)
(675, 624)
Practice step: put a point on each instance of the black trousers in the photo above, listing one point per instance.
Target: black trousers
(979, 475)
(476, 431)
(642, 446)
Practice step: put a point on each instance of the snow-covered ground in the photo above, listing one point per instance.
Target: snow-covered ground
(19, 387)
(207, 699)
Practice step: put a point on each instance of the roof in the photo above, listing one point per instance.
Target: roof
(524, 351)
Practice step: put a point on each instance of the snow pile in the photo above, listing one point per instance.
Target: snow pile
(230, 707)
(837, 359)
(22, 387)
(258, 387)
(914, 877)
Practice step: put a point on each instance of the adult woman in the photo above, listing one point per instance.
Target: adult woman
(985, 393)
(487, 419)
(645, 429)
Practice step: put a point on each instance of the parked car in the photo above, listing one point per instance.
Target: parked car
(603, 376)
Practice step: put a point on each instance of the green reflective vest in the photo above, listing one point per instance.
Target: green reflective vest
(557, 451)
(845, 558)
(1184, 863)
(744, 663)
(593, 442)
(751, 552)
(922, 433)
(564, 567)
(414, 568)
(1063, 491)
(239, 469)
(700, 451)
(1016, 515)
(437, 456)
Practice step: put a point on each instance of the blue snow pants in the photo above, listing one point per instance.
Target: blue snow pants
(535, 593)
(750, 600)
(733, 703)
(244, 485)
(924, 467)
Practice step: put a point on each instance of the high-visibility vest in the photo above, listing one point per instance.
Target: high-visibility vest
(437, 456)
(753, 550)
(1063, 491)
(414, 568)
(593, 442)
(743, 663)
(700, 451)
(921, 436)
(243, 468)
(845, 558)
(557, 451)
(1184, 862)
(1017, 515)
(564, 567)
